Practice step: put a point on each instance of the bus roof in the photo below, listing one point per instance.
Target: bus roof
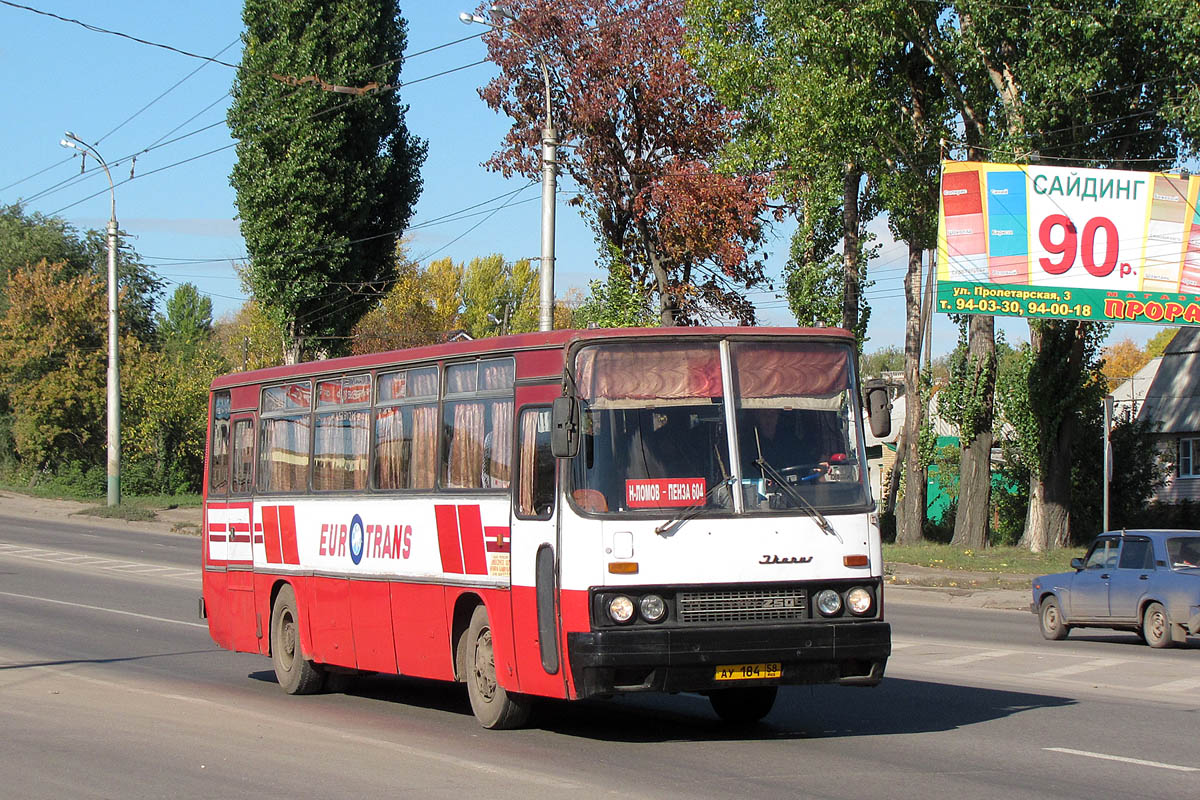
(541, 340)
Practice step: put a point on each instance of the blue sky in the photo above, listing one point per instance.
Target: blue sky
(129, 98)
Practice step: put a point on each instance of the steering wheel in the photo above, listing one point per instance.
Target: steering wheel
(807, 472)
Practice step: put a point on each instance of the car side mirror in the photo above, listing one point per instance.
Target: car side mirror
(879, 408)
(564, 427)
(1077, 564)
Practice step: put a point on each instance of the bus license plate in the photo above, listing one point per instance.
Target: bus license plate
(743, 672)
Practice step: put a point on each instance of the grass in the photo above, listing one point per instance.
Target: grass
(992, 559)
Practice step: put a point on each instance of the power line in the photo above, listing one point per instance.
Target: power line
(98, 29)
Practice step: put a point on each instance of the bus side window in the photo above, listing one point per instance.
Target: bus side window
(243, 455)
(535, 479)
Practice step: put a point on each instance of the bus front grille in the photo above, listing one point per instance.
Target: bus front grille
(754, 605)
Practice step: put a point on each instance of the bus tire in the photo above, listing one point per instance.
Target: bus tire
(295, 673)
(494, 707)
(744, 705)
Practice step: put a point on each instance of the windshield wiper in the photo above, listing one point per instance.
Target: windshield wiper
(797, 499)
(669, 527)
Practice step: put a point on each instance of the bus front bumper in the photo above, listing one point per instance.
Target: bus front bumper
(606, 662)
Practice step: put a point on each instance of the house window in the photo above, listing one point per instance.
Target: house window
(1189, 458)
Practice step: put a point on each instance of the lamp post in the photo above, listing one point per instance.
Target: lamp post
(114, 371)
(549, 172)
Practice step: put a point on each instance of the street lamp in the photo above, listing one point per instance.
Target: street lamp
(114, 372)
(549, 170)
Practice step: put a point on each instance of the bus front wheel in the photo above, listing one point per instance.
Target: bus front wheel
(494, 707)
(295, 673)
(743, 706)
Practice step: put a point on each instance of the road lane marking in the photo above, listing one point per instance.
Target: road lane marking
(108, 610)
(1075, 669)
(970, 658)
(506, 773)
(1123, 759)
(1182, 685)
(97, 562)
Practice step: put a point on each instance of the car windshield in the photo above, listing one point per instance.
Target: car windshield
(1183, 552)
(655, 435)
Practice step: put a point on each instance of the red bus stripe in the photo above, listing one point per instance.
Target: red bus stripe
(287, 535)
(471, 533)
(270, 516)
(448, 544)
(216, 527)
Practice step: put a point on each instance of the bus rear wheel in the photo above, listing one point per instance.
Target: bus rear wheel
(745, 705)
(295, 673)
(494, 707)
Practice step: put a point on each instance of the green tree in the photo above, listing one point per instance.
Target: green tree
(248, 338)
(499, 297)
(26, 239)
(619, 301)
(52, 366)
(407, 316)
(188, 322)
(325, 179)
(842, 111)
(886, 359)
(166, 423)
(1159, 341)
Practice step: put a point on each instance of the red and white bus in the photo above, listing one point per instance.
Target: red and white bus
(565, 514)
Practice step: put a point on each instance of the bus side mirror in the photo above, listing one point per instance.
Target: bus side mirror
(564, 429)
(879, 408)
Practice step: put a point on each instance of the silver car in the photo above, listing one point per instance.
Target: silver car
(1146, 581)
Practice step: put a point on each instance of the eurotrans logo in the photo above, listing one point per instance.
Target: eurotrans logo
(356, 539)
(359, 540)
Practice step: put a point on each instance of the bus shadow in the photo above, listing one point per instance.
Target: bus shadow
(417, 692)
(896, 706)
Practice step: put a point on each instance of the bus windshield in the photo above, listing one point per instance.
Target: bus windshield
(655, 427)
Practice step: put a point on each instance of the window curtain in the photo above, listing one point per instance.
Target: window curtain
(529, 425)
(424, 446)
(218, 478)
(649, 372)
(389, 449)
(283, 454)
(340, 452)
(499, 446)
(465, 462)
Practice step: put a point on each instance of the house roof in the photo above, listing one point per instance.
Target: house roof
(1173, 399)
(1133, 391)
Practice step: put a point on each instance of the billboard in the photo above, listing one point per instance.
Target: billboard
(1025, 240)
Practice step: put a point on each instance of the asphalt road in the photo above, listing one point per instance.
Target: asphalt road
(110, 687)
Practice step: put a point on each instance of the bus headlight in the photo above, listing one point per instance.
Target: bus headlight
(859, 601)
(653, 608)
(829, 602)
(620, 608)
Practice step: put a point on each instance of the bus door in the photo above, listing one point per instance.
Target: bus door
(534, 552)
(229, 534)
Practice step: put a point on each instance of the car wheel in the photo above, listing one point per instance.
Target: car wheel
(745, 705)
(1156, 626)
(494, 707)
(1053, 625)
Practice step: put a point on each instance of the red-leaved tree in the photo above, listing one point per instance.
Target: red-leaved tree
(641, 136)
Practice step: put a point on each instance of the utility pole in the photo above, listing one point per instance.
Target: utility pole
(114, 370)
(549, 170)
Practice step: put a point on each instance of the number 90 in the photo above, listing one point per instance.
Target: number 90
(1070, 243)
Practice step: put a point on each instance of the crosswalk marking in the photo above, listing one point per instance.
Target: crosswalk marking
(1181, 685)
(97, 562)
(970, 658)
(1075, 669)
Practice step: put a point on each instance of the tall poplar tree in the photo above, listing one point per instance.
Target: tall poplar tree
(327, 173)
